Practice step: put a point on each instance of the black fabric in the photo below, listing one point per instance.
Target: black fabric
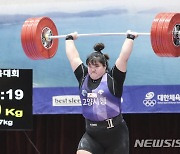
(104, 124)
(87, 143)
(101, 140)
(114, 75)
(69, 37)
(130, 36)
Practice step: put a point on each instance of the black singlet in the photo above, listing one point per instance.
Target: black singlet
(115, 79)
(99, 140)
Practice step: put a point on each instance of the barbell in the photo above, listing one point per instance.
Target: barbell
(39, 36)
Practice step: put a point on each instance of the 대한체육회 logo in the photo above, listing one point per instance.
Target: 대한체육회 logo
(149, 101)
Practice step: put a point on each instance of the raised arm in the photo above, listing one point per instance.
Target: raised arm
(72, 52)
(121, 62)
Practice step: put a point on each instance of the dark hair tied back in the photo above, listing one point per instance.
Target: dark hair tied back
(98, 47)
(98, 56)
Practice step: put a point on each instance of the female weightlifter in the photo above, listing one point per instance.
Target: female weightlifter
(100, 92)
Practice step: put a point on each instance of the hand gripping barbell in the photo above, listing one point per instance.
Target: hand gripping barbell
(39, 36)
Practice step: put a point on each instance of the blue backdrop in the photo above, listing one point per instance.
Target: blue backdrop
(152, 82)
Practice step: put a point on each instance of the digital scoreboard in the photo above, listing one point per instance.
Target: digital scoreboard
(15, 99)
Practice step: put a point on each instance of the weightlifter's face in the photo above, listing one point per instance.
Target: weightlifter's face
(96, 70)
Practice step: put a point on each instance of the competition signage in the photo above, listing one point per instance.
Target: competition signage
(135, 99)
(15, 99)
(152, 99)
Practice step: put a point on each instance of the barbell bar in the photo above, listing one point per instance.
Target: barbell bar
(95, 34)
(39, 36)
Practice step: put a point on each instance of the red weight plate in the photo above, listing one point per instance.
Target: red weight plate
(172, 21)
(26, 39)
(23, 38)
(163, 37)
(32, 36)
(38, 27)
(154, 29)
(29, 40)
(23, 41)
(159, 35)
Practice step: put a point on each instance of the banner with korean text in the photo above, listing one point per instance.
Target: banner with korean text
(135, 99)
